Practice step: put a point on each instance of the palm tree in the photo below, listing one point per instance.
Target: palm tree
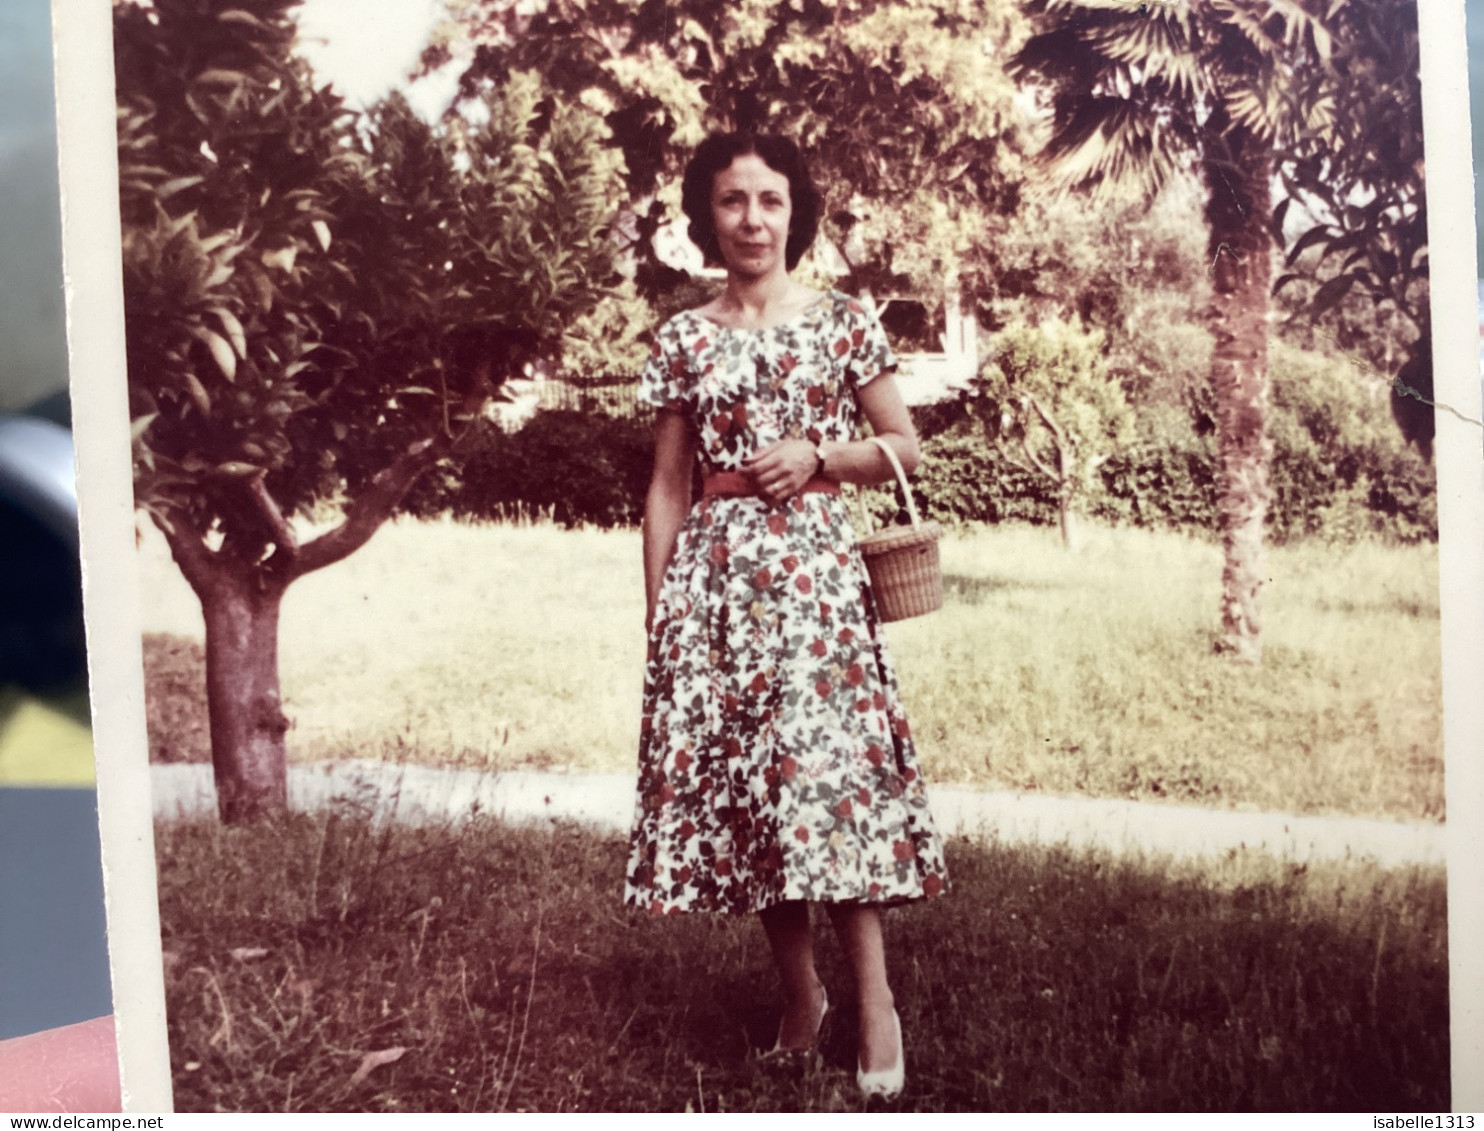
(1139, 91)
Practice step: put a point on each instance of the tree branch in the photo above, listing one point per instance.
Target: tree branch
(1061, 437)
(1063, 445)
(268, 508)
(1035, 460)
(369, 509)
(196, 562)
(374, 505)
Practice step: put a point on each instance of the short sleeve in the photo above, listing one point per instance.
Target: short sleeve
(870, 355)
(664, 380)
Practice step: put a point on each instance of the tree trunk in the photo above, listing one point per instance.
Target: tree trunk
(248, 752)
(1071, 529)
(1238, 170)
(241, 592)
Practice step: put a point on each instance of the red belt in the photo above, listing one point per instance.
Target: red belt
(740, 485)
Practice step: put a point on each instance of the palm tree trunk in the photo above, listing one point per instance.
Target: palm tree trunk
(1238, 171)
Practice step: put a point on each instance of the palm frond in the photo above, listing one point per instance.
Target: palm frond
(1132, 77)
(1141, 8)
(1274, 28)
(1249, 21)
(1257, 104)
(1058, 54)
(1158, 47)
(1112, 144)
(1319, 118)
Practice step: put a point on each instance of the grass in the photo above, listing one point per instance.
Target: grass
(1096, 674)
(521, 646)
(502, 965)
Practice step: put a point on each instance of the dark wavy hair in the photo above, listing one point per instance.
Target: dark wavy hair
(716, 153)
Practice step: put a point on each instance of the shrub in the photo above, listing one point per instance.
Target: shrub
(1339, 469)
(574, 467)
(175, 708)
(964, 478)
(1165, 479)
(1046, 398)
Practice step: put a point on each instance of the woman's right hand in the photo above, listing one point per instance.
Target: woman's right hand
(781, 470)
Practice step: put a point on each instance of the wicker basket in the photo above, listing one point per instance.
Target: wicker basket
(906, 580)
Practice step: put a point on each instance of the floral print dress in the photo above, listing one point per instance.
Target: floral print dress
(775, 760)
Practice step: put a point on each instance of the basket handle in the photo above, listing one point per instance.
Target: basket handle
(896, 466)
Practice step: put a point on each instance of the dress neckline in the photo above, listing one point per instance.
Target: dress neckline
(793, 320)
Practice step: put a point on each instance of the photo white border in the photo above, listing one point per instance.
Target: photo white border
(1459, 457)
(87, 146)
(83, 50)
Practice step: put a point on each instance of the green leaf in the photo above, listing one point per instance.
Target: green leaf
(1276, 226)
(1331, 293)
(211, 243)
(283, 258)
(198, 394)
(233, 327)
(237, 16)
(263, 290)
(179, 184)
(140, 425)
(217, 77)
(237, 469)
(221, 351)
(1304, 242)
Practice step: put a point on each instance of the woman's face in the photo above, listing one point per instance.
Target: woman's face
(750, 209)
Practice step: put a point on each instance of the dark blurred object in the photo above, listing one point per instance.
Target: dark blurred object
(41, 628)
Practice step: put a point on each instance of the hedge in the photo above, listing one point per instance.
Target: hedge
(1339, 470)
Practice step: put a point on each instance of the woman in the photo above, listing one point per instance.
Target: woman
(776, 767)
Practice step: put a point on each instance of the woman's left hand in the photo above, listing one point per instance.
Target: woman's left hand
(782, 469)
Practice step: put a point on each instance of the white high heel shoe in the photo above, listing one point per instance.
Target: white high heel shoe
(886, 1084)
(824, 1007)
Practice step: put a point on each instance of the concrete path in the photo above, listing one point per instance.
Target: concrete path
(425, 794)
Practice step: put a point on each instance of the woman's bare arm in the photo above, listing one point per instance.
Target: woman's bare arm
(668, 500)
(862, 461)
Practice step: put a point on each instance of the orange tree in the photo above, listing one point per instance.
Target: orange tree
(318, 306)
(1354, 211)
